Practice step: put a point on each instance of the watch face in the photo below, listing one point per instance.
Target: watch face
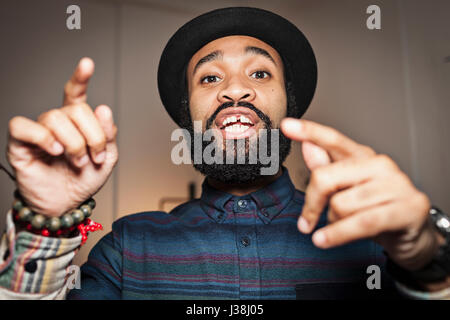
(441, 221)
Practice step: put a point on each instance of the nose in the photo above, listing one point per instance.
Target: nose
(236, 90)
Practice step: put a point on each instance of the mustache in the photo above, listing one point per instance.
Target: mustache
(265, 118)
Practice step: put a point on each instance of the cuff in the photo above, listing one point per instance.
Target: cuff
(422, 295)
(32, 263)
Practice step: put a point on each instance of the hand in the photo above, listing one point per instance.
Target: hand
(368, 196)
(67, 155)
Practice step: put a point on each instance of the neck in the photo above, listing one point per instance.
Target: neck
(241, 189)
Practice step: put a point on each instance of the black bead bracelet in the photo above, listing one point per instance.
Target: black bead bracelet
(55, 225)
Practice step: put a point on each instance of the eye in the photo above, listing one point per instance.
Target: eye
(209, 79)
(260, 74)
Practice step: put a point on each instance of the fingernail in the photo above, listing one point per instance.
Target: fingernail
(106, 111)
(57, 147)
(100, 157)
(303, 225)
(83, 160)
(319, 238)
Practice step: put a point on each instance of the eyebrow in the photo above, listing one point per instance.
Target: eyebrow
(209, 57)
(215, 55)
(260, 51)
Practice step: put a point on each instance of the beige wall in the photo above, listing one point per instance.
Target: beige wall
(386, 88)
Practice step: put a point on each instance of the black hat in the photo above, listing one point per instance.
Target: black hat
(293, 47)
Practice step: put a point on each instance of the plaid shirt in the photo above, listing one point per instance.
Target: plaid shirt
(217, 247)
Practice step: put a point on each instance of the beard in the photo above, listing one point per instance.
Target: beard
(249, 171)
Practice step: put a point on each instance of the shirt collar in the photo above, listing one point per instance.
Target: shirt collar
(270, 200)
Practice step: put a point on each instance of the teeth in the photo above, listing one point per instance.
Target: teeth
(236, 128)
(242, 119)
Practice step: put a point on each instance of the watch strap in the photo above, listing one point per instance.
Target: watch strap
(439, 267)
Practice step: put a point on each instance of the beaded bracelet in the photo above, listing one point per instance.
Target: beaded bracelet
(77, 219)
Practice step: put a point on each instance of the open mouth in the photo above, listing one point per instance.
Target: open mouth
(237, 122)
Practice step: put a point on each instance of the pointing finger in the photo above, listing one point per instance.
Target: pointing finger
(334, 142)
(314, 155)
(76, 88)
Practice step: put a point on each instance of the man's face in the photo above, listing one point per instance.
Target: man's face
(236, 69)
(236, 87)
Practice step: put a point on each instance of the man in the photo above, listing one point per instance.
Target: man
(239, 72)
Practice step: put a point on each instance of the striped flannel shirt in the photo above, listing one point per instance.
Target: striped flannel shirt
(222, 247)
(217, 247)
(32, 266)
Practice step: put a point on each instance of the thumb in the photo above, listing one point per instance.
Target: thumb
(314, 155)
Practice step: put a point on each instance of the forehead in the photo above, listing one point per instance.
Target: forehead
(233, 45)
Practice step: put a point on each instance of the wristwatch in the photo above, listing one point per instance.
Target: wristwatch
(439, 267)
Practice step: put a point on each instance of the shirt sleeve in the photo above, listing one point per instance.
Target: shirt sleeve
(101, 275)
(33, 266)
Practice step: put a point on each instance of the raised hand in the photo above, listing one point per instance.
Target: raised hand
(67, 155)
(367, 194)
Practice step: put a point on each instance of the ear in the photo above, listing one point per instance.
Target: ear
(314, 155)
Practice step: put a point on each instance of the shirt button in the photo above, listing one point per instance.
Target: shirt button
(242, 203)
(245, 241)
(265, 214)
(6, 255)
(220, 216)
(31, 266)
